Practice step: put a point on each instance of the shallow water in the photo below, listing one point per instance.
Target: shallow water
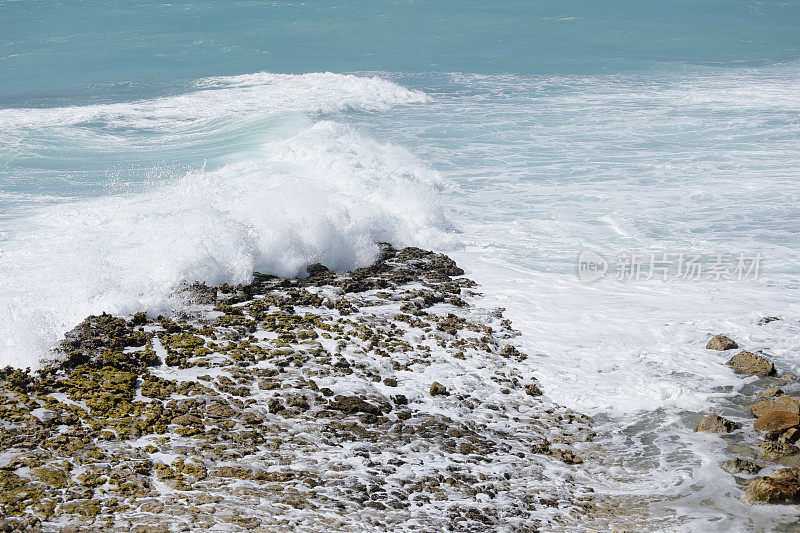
(148, 145)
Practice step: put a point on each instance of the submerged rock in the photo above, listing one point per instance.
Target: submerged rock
(750, 363)
(721, 342)
(781, 487)
(742, 466)
(717, 424)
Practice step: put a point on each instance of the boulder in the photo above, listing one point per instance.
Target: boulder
(717, 424)
(776, 422)
(750, 363)
(437, 389)
(742, 466)
(781, 487)
(721, 342)
(783, 403)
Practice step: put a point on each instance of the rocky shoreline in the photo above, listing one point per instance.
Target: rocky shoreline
(378, 399)
(764, 442)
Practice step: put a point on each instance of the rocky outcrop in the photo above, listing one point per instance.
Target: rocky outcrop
(750, 363)
(292, 404)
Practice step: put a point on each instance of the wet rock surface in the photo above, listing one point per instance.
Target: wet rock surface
(717, 424)
(372, 400)
(775, 419)
(721, 342)
(750, 363)
(781, 487)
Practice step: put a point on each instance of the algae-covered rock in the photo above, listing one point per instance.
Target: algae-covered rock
(437, 389)
(240, 427)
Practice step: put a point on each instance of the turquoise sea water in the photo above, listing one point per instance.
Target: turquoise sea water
(143, 145)
(63, 52)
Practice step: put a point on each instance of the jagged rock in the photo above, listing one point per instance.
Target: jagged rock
(243, 413)
(750, 363)
(781, 487)
(742, 466)
(790, 435)
(776, 422)
(721, 342)
(316, 269)
(717, 424)
(533, 390)
(354, 404)
(774, 451)
(437, 389)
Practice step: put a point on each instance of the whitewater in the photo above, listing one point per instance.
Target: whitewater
(114, 206)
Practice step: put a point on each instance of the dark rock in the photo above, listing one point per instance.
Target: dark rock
(275, 405)
(437, 389)
(354, 404)
(316, 269)
(721, 342)
(533, 390)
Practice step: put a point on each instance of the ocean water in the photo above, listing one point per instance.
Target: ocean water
(145, 144)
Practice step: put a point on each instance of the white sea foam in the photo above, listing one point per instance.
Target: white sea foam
(224, 98)
(308, 192)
